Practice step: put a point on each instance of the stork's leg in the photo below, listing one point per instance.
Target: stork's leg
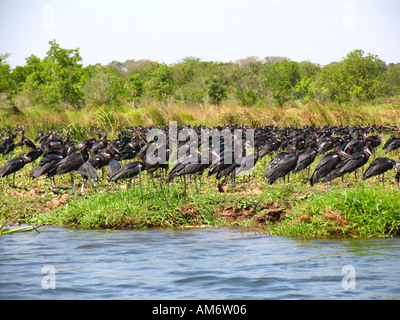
(53, 185)
(195, 183)
(72, 184)
(184, 179)
(83, 185)
(233, 180)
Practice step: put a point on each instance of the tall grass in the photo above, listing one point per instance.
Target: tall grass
(115, 118)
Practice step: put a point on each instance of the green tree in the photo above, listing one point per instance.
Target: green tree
(216, 90)
(246, 81)
(19, 75)
(305, 85)
(103, 85)
(282, 78)
(160, 82)
(5, 74)
(329, 83)
(358, 75)
(134, 86)
(141, 67)
(57, 77)
(189, 82)
(364, 75)
(393, 78)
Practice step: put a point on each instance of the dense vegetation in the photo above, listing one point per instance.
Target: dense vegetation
(60, 80)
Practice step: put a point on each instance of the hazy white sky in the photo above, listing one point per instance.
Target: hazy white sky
(320, 31)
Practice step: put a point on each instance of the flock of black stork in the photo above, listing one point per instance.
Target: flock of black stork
(343, 150)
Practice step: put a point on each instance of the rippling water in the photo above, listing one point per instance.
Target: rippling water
(207, 263)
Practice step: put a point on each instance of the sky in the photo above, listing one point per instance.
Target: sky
(320, 31)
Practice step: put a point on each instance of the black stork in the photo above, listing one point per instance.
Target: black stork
(13, 165)
(113, 166)
(247, 163)
(70, 164)
(355, 161)
(25, 141)
(397, 178)
(8, 144)
(192, 165)
(392, 144)
(269, 147)
(306, 158)
(129, 171)
(378, 167)
(33, 155)
(326, 165)
(47, 163)
(281, 165)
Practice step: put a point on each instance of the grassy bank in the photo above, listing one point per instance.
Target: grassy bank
(295, 208)
(360, 209)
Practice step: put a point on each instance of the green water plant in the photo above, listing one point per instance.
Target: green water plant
(5, 229)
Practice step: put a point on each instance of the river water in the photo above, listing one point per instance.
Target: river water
(200, 263)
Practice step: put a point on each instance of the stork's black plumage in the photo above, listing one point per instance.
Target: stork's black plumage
(282, 164)
(378, 167)
(306, 158)
(326, 165)
(47, 163)
(352, 163)
(392, 145)
(14, 165)
(70, 164)
(130, 170)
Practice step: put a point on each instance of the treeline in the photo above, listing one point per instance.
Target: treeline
(61, 80)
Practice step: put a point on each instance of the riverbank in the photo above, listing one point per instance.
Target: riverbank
(358, 209)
